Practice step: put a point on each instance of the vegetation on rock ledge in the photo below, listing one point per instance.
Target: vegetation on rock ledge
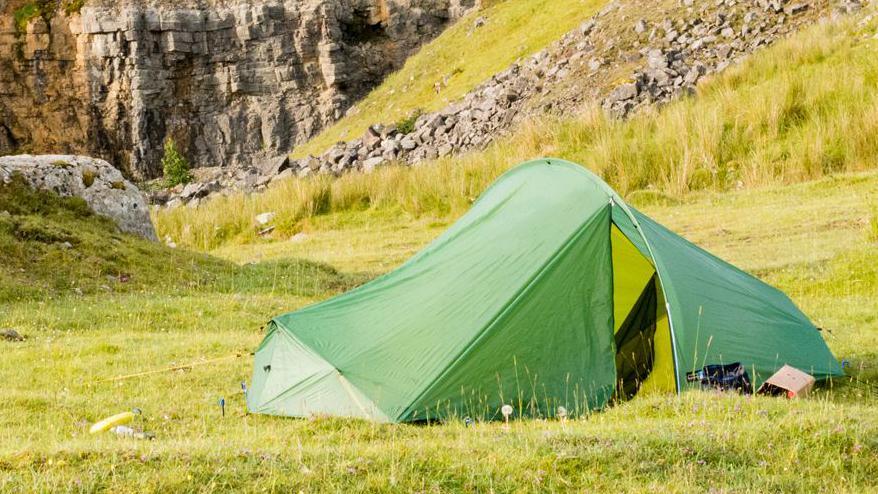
(174, 165)
(45, 9)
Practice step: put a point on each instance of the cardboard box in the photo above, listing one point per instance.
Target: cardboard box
(788, 381)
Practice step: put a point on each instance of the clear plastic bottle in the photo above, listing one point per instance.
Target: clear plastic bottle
(125, 431)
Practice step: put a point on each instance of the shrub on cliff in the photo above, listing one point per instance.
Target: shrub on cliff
(45, 9)
(174, 165)
(24, 14)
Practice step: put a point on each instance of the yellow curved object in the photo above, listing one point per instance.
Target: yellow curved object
(109, 422)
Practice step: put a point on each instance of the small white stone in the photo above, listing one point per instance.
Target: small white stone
(265, 218)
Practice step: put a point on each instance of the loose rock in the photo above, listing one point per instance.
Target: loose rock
(265, 218)
(11, 335)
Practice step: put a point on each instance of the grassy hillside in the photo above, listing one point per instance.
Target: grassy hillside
(814, 240)
(52, 246)
(56, 247)
(802, 109)
(458, 60)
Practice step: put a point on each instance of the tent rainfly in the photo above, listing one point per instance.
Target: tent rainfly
(549, 292)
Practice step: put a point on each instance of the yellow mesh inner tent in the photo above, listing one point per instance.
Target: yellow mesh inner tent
(651, 356)
(631, 273)
(661, 379)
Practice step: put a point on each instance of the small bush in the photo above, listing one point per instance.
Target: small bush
(38, 8)
(407, 124)
(174, 165)
(88, 177)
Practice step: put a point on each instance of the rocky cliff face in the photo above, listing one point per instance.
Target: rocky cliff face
(235, 83)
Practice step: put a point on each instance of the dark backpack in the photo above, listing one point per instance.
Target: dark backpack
(730, 377)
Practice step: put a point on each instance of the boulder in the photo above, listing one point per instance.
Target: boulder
(656, 59)
(193, 190)
(11, 335)
(371, 163)
(273, 166)
(408, 143)
(587, 27)
(288, 173)
(102, 187)
(372, 138)
(623, 92)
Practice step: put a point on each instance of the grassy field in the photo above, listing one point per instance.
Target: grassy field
(815, 240)
(52, 246)
(457, 61)
(802, 109)
(792, 128)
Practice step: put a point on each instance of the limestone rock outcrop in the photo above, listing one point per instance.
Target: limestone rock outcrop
(102, 187)
(658, 58)
(234, 82)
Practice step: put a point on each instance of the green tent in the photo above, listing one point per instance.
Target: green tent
(549, 292)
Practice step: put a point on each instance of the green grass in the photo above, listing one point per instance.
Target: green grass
(802, 109)
(808, 239)
(458, 60)
(52, 247)
(55, 247)
(796, 120)
(873, 230)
